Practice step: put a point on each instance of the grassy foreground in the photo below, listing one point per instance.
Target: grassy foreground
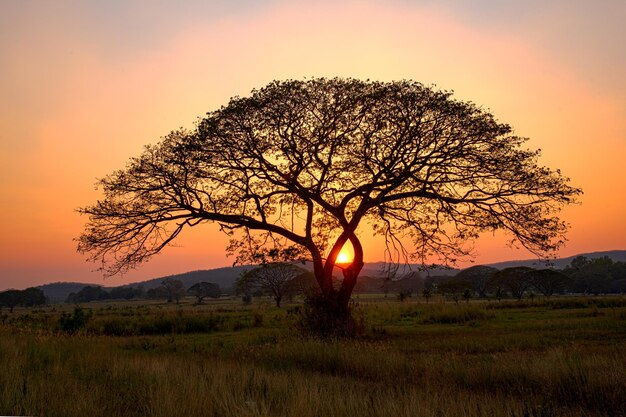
(562, 357)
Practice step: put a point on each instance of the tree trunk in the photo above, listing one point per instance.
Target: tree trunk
(338, 301)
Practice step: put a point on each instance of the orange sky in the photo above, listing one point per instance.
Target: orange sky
(85, 87)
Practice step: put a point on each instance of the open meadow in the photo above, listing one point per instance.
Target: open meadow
(559, 357)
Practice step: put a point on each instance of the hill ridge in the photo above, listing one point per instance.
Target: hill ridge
(226, 275)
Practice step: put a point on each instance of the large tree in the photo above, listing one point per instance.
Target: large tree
(318, 163)
(515, 280)
(548, 281)
(480, 277)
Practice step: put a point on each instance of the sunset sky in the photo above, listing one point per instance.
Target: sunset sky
(85, 85)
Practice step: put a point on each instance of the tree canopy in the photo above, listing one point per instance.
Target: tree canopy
(204, 289)
(314, 164)
(275, 279)
(27, 298)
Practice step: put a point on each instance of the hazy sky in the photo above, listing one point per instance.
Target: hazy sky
(85, 85)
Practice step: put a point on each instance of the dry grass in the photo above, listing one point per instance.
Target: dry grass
(524, 361)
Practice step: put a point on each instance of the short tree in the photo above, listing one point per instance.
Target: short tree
(203, 290)
(10, 299)
(174, 288)
(313, 164)
(270, 278)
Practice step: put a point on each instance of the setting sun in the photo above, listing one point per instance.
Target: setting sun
(343, 258)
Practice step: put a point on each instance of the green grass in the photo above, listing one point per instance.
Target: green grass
(562, 357)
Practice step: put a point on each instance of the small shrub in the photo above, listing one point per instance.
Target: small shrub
(72, 323)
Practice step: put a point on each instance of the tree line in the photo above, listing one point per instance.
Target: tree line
(30, 297)
(582, 276)
(280, 280)
(169, 289)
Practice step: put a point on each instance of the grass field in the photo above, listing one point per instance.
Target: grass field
(563, 357)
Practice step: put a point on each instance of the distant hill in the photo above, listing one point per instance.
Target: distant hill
(370, 277)
(380, 269)
(224, 277)
(57, 292)
(560, 263)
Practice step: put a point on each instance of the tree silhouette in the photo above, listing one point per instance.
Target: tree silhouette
(480, 277)
(174, 288)
(29, 297)
(515, 280)
(548, 281)
(270, 278)
(454, 288)
(10, 298)
(277, 275)
(203, 290)
(315, 164)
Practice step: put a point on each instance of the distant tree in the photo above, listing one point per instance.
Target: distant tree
(159, 292)
(579, 263)
(480, 277)
(203, 290)
(31, 297)
(301, 283)
(126, 292)
(270, 278)
(595, 276)
(174, 289)
(618, 272)
(87, 294)
(548, 281)
(453, 288)
(10, 299)
(515, 280)
(429, 173)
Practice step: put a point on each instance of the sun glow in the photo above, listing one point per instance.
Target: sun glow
(343, 258)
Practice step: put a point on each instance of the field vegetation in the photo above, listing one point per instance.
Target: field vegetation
(563, 356)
